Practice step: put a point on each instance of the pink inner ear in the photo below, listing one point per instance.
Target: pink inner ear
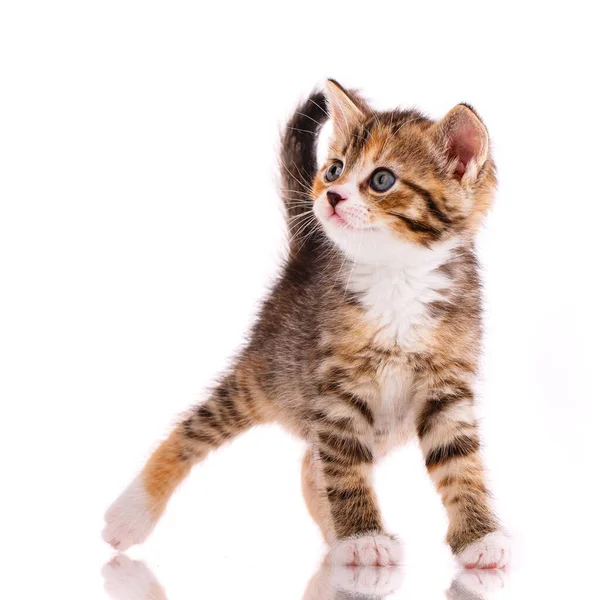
(464, 143)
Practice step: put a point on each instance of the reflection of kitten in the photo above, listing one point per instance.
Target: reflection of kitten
(353, 583)
(475, 584)
(126, 579)
(371, 334)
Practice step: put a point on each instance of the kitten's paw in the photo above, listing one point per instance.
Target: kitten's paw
(492, 551)
(126, 579)
(366, 551)
(369, 581)
(479, 582)
(129, 521)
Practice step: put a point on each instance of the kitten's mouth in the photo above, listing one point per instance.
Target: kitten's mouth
(339, 220)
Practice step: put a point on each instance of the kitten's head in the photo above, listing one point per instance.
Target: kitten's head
(396, 181)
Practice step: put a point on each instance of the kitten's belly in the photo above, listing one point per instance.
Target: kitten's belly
(394, 417)
(392, 433)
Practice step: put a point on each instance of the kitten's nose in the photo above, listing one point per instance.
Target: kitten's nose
(334, 198)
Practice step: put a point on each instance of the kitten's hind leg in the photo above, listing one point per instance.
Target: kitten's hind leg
(235, 405)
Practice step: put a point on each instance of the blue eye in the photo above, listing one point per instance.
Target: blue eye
(382, 180)
(334, 171)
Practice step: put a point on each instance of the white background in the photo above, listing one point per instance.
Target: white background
(140, 226)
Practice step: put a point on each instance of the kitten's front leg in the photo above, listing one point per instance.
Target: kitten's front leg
(343, 438)
(450, 443)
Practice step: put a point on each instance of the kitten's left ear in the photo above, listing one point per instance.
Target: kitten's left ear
(463, 138)
(345, 110)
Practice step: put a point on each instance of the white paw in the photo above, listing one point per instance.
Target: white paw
(366, 551)
(129, 521)
(371, 581)
(492, 551)
(479, 582)
(126, 579)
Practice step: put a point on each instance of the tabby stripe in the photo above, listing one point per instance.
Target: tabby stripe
(357, 142)
(352, 451)
(333, 471)
(465, 483)
(211, 417)
(434, 407)
(355, 514)
(327, 458)
(359, 404)
(468, 497)
(352, 400)
(343, 424)
(224, 402)
(208, 417)
(459, 447)
(200, 436)
(340, 494)
(419, 226)
(431, 204)
(229, 410)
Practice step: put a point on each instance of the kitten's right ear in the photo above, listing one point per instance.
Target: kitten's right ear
(344, 111)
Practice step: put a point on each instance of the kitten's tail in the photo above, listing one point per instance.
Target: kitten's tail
(298, 169)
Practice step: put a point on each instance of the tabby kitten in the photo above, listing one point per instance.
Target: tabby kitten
(370, 336)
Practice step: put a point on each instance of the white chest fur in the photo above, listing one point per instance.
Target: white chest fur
(396, 295)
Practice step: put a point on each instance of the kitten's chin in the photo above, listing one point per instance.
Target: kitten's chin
(378, 247)
(338, 220)
(353, 242)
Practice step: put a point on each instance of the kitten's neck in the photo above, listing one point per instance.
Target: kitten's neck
(396, 296)
(410, 262)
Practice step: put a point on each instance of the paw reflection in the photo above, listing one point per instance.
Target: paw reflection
(358, 583)
(126, 579)
(476, 584)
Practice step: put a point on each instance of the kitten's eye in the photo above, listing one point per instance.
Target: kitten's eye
(334, 171)
(382, 180)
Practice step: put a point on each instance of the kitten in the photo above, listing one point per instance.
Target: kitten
(370, 336)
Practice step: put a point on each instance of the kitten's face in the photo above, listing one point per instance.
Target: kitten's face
(396, 181)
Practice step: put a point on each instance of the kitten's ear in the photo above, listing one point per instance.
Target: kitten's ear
(463, 138)
(344, 110)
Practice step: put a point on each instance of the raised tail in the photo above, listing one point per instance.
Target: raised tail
(298, 169)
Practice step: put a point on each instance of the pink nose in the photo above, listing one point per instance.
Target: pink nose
(334, 198)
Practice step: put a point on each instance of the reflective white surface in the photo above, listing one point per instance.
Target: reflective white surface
(140, 226)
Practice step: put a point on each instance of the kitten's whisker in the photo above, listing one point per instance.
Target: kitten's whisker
(302, 130)
(302, 185)
(296, 202)
(301, 221)
(301, 174)
(301, 224)
(296, 192)
(319, 106)
(308, 235)
(309, 117)
(298, 220)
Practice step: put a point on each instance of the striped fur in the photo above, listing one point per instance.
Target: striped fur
(371, 334)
